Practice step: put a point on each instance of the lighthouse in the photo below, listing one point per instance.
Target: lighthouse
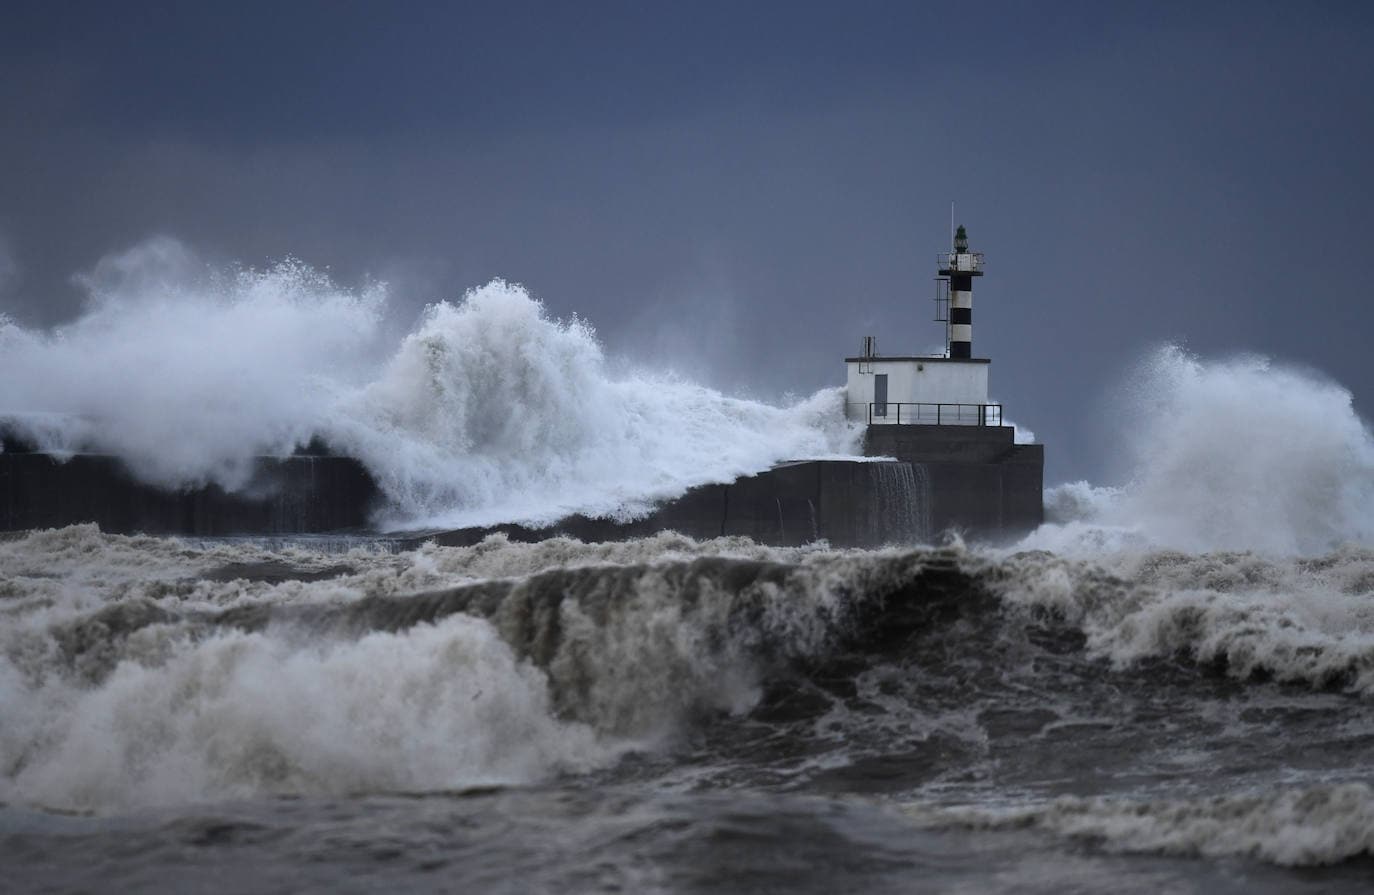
(957, 270)
(949, 389)
(933, 411)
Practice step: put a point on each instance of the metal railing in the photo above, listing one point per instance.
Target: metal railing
(893, 413)
(960, 262)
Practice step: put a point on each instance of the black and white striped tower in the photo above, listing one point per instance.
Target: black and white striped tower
(960, 267)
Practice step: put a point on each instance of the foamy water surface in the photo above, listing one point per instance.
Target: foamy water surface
(1165, 688)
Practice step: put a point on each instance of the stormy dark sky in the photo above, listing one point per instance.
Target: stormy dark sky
(737, 190)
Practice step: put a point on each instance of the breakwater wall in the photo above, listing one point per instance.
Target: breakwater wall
(980, 481)
(971, 478)
(845, 502)
(848, 503)
(286, 495)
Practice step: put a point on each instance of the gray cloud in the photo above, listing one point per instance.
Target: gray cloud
(9, 267)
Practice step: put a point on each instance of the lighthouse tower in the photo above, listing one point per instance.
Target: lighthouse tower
(932, 412)
(957, 269)
(949, 389)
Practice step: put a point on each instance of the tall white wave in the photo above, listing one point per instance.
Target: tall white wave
(492, 411)
(489, 411)
(1242, 453)
(187, 372)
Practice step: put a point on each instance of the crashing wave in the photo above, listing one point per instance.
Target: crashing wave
(489, 411)
(1236, 454)
(123, 688)
(140, 669)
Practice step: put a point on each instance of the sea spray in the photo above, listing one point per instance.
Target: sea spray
(187, 372)
(1240, 454)
(490, 411)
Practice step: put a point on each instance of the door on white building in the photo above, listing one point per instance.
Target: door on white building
(880, 394)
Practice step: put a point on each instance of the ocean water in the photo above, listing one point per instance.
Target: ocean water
(1167, 688)
(673, 715)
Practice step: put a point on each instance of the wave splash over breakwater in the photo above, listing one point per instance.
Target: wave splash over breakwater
(489, 411)
(1238, 454)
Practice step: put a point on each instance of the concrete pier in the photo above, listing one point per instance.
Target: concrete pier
(287, 495)
(981, 481)
(845, 502)
(848, 503)
(965, 477)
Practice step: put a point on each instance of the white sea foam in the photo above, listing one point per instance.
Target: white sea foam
(108, 669)
(235, 714)
(117, 691)
(489, 411)
(80, 568)
(1308, 621)
(187, 373)
(1241, 454)
(1241, 536)
(1316, 825)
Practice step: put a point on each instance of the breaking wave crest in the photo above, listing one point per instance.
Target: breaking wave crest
(1301, 620)
(490, 411)
(139, 670)
(185, 717)
(181, 685)
(1298, 827)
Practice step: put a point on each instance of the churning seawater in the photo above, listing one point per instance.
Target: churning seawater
(668, 715)
(1166, 688)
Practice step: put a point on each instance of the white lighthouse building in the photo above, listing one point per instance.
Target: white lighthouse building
(949, 389)
(932, 412)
